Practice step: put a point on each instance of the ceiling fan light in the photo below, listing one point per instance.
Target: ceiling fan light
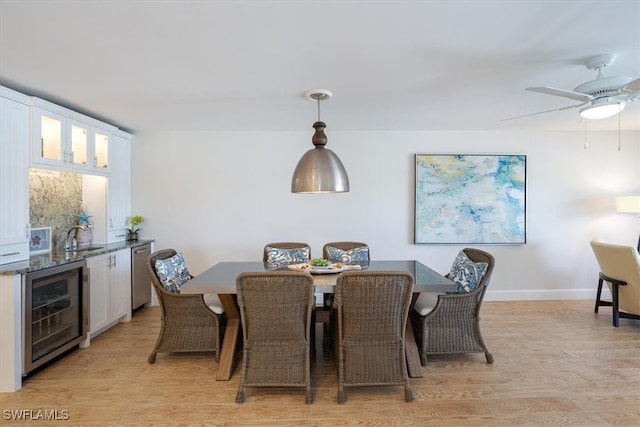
(602, 111)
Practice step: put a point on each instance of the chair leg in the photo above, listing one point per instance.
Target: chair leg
(616, 312)
(489, 356)
(598, 295)
(152, 356)
(240, 395)
(216, 357)
(312, 333)
(423, 359)
(408, 394)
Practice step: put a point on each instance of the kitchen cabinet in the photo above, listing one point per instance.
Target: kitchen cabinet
(109, 290)
(65, 140)
(14, 176)
(118, 191)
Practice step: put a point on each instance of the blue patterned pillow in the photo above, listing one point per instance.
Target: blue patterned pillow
(172, 272)
(466, 273)
(352, 256)
(277, 256)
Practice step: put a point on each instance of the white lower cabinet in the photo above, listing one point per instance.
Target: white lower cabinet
(109, 290)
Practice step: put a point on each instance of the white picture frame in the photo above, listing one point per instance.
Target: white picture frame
(40, 240)
(470, 199)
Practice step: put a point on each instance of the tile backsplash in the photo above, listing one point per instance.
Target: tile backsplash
(55, 200)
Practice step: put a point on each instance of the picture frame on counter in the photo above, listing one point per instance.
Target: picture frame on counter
(40, 240)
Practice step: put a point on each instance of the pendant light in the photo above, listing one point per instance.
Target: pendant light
(319, 170)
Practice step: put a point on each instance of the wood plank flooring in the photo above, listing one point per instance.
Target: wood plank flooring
(556, 363)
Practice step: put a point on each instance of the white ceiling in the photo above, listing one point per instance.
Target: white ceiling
(245, 65)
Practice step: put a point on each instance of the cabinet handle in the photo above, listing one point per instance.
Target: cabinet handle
(115, 264)
(28, 234)
(71, 157)
(110, 222)
(10, 253)
(65, 159)
(95, 161)
(109, 265)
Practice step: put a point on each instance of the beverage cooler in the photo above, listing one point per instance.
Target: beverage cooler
(56, 302)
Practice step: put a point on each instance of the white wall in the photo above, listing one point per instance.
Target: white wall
(222, 196)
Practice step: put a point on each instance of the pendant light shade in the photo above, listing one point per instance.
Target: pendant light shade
(320, 169)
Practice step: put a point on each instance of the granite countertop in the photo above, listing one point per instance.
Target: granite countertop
(59, 257)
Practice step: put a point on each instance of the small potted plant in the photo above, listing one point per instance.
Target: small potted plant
(134, 221)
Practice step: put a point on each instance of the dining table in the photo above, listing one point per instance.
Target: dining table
(221, 279)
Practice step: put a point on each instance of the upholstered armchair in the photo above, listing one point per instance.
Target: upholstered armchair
(620, 269)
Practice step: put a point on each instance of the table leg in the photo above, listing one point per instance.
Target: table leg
(232, 341)
(414, 367)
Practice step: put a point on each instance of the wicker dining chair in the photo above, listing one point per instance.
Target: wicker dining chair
(187, 324)
(368, 325)
(342, 246)
(275, 308)
(453, 325)
(268, 249)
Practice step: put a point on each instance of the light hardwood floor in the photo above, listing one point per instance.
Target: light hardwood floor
(556, 363)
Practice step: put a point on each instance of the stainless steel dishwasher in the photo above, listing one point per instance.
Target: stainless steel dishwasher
(140, 280)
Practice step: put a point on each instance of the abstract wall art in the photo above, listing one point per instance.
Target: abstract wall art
(470, 199)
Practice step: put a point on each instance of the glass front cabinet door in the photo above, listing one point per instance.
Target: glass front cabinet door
(49, 138)
(68, 144)
(101, 150)
(79, 144)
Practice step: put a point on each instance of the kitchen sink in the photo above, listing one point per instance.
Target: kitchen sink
(89, 249)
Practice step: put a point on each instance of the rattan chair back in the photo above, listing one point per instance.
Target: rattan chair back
(285, 245)
(370, 317)
(276, 312)
(344, 246)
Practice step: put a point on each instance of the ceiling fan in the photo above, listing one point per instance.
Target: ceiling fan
(599, 98)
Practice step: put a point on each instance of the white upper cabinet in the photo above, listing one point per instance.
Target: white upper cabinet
(118, 191)
(65, 140)
(43, 135)
(14, 177)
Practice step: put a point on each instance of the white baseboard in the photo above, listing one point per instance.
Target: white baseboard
(546, 294)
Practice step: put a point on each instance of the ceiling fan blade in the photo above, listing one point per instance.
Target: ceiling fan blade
(631, 87)
(546, 111)
(561, 92)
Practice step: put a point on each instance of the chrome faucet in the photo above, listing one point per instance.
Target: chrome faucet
(72, 245)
